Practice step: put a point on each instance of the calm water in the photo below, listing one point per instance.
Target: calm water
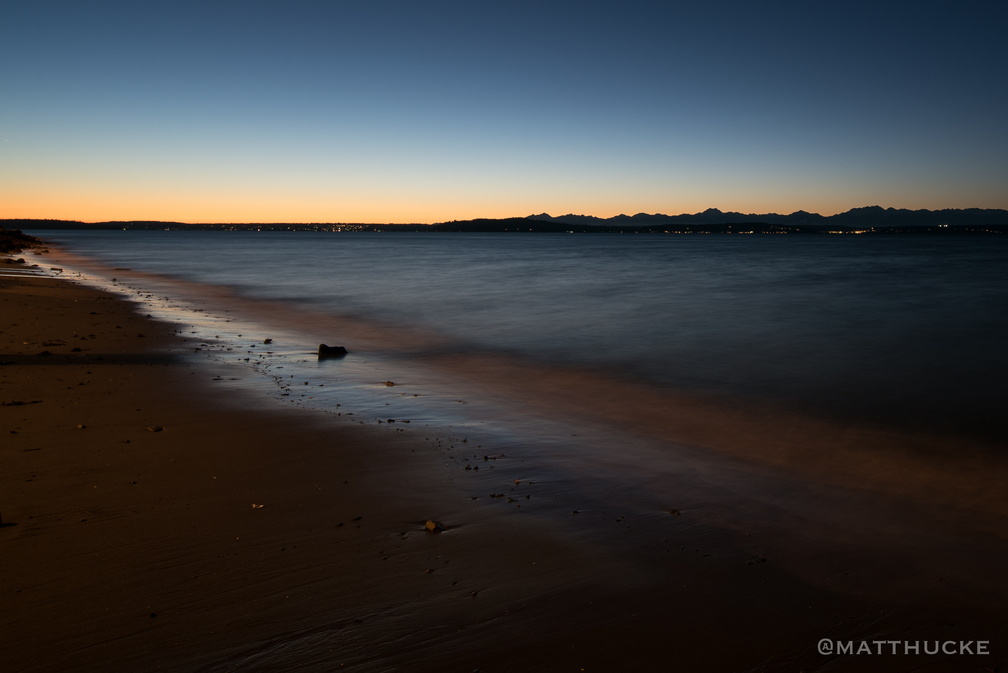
(903, 330)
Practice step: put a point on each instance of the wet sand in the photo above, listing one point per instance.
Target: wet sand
(156, 517)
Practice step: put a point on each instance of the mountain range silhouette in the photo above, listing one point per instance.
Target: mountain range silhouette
(868, 219)
(870, 216)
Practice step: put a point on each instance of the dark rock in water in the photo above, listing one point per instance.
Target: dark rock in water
(331, 351)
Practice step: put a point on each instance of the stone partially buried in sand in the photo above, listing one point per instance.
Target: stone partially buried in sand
(325, 351)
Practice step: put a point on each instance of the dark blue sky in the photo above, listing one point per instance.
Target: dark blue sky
(407, 111)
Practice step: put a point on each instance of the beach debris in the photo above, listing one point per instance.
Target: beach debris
(267, 341)
(390, 383)
(434, 526)
(255, 506)
(154, 428)
(325, 351)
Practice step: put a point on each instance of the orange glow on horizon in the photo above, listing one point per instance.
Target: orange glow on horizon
(93, 208)
(232, 206)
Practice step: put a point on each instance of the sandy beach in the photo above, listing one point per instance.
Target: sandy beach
(157, 517)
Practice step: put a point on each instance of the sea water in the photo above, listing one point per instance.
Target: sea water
(905, 330)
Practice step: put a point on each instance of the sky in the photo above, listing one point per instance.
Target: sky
(392, 111)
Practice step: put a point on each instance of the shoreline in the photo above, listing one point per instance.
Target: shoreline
(150, 555)
(579, 413)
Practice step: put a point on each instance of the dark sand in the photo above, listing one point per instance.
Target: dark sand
(156, 518)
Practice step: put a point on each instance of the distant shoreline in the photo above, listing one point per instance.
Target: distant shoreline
(872, 220)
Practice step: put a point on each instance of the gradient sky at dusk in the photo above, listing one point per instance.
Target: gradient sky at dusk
(390, 111)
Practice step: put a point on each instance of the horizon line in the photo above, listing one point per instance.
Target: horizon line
(532, 216)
